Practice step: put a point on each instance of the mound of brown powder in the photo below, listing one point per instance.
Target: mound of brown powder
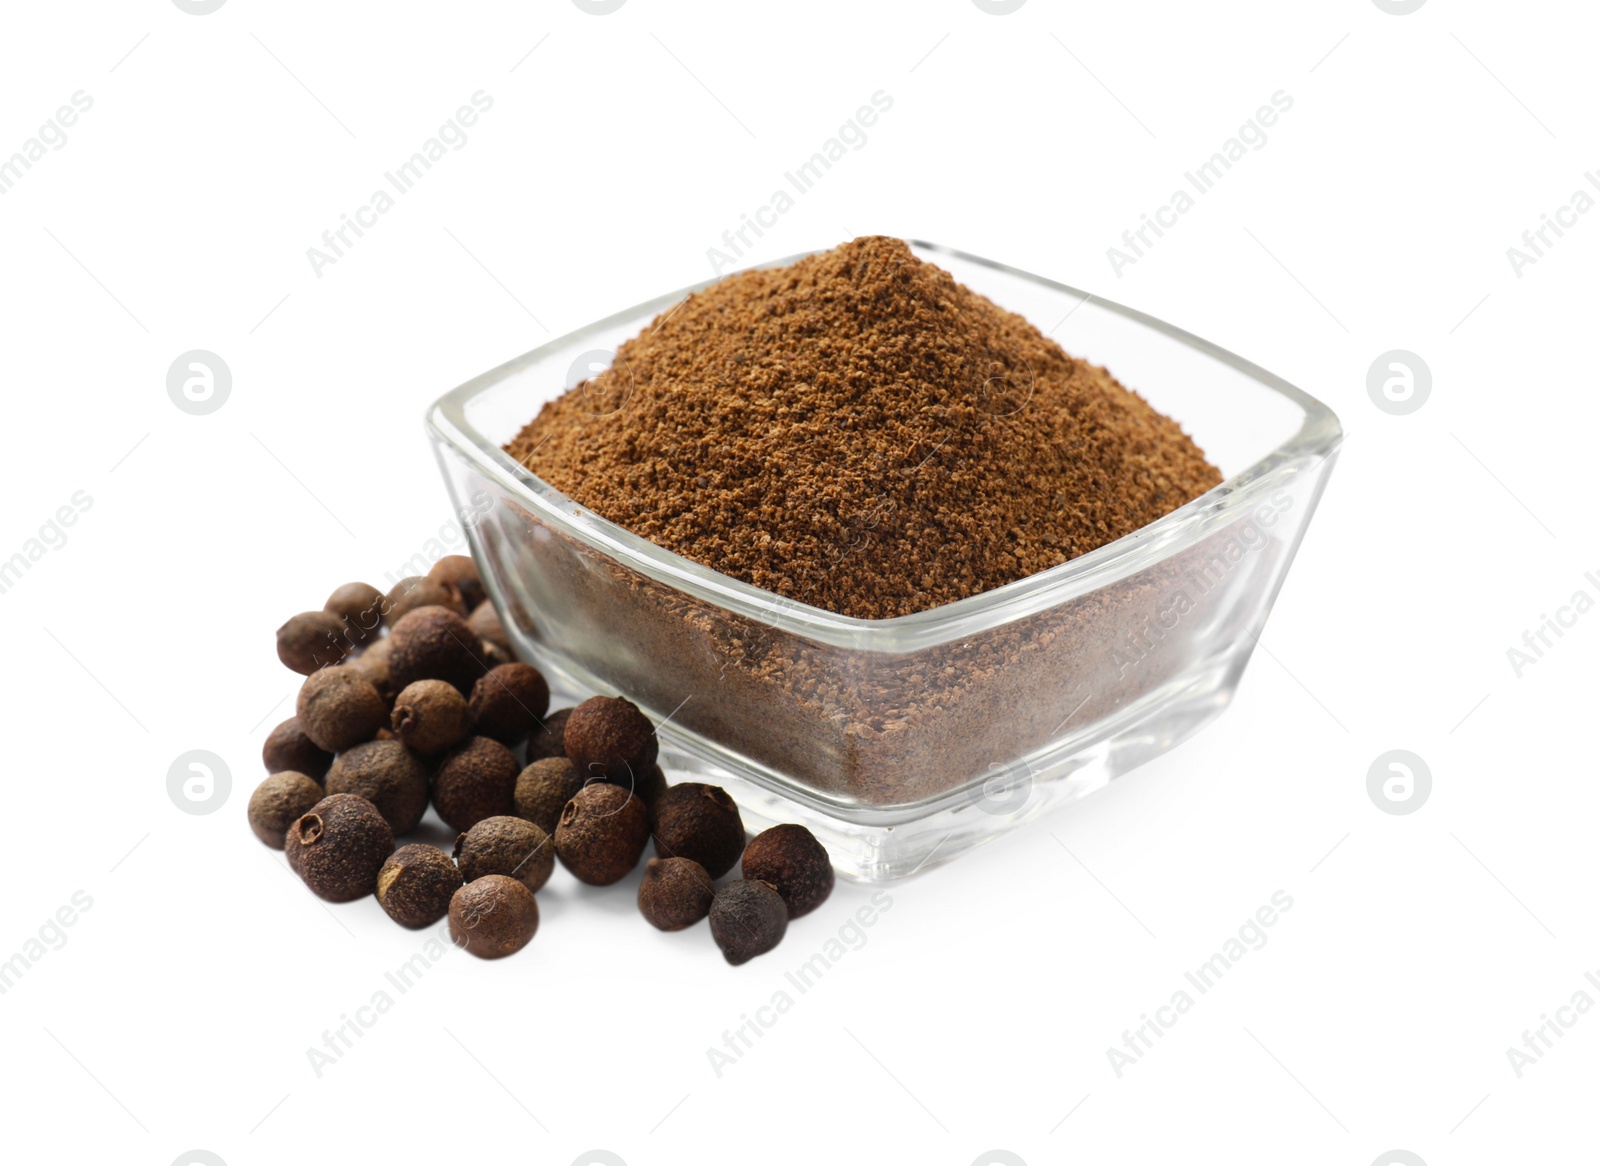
(859, 432)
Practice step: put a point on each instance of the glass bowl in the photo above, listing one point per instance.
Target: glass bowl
(903, 742)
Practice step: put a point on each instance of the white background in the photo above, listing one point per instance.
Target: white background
(179, 1010)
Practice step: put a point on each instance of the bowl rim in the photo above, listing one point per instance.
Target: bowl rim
(1317, 438)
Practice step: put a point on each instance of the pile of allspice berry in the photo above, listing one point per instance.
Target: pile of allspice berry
(415, 697)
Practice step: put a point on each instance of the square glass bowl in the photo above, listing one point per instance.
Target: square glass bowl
(903, 742)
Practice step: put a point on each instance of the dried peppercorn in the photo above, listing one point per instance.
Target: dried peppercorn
(508, 846)
(338, 846)
(359, 607)
(338, 707)
(543, 790)
(415, 885)
(485, 621)
(474, 781)
(601, 833)
(288, 749)
(493, 916)
(550, 741)
(794, 862)
(431, 716)
(416, 591)
(373, 663)
(434, 643)
(748, 918)
(459, 573)
(388, 775)
(507, 702)
(312, 640)
(651, 786)
(675, 893)
(698, 821)
(278, 801)
(607, 736)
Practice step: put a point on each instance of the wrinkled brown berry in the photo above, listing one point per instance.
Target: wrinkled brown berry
(278, 801)
(507, 846)
(476, 780)
(388, 775)
(651, 787)
(338, 707)
(373, 663)
(607, 736)
(415, 591)
(288, 749)
(794, 862)
(431, 716)
(699, 822)
(675, 893)
(493, 916)
(338, 846)
(748, 919)
(550, 741)
(312, 640)
(544, 789)
(459, 573)
(485, 622)
(508, 701)
(359, 607)
(602, 833)
(434, 643)
(415, 885)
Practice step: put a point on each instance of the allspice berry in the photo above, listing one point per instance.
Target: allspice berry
(415, 885)
(338, 707)
(607, 736)
(415, 591)
(388, 775)
(434, 643)
(748, 919)
(493, 916)
(544, 789)
(651, 787)
(794, 862)
(506, 846)
(460, 573)
(675, 893)
(431, 716)
(312, 640)
(278, 801)
(373, 663)
(359, 607)
(601, 833)
(701, 822)
(485, 622)
(476, 780)
(338, 846)
(550, 741)
(288, 749)
(507, 702)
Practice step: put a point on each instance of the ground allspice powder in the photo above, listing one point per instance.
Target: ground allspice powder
(859, 432)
